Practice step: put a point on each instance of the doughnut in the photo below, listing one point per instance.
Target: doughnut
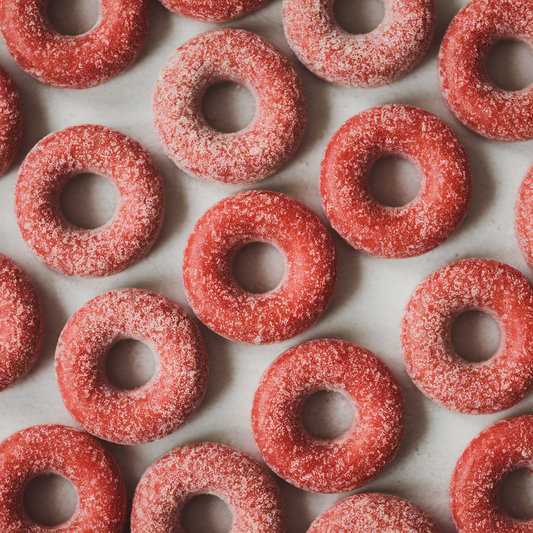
(11, 121)
(80, 61)
(310, 268)
(207, 468)
(428, 354)
(422, 224)
(212, 10)
(465, 85)
(153, 410)
(503, 447)
(372, 59)
(523, 217)
(244, 156)
(106, 250)
(354, 457)
(363, 513)
(21, 323)
(74, 455)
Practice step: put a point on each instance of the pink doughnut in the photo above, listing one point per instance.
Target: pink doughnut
(372, 59)
(159, 407)
(106, 250)
(74, 455)
(207, 468)
(80, 61)
(474, 489)
(310, 268)
(245, 156)
(212, 10)
(362, 451)
(21, 323)
(523, 213)
(426, 221)
(464, 82)
(443, 376)
(11, 121)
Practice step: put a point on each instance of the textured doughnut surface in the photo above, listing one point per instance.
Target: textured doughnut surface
(523, 221)
(308, 281)
(74, 455)
(80, 61)
(457, 384)
(11, 121)
(371, 59)
(153, 410)
(349, 460)
(464, 82)
(212, 10)
(424, 140)
(119, 243)
(244, 156)
(207, 468)
(474, 489)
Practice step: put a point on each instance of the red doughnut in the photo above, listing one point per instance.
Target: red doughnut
(464, 82)
(207, 468)
(310, 268)
(426, 221)
(106, 250)
(153, 410)
(212, 10)
(523, 217)
(247, 155)
(474, 489)
(372, 59)
(74, 455)
(349, 460)
(21, 323)
(80, 61)
(443, 376)
(11, 121)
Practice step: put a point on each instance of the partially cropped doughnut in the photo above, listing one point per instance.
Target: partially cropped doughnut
(119, 243)
(421, 138)
(354, 457)
(207, 468)
(523, 217)
(153, 410)
(80, 61)
(310, 268)
(248, 155)
(455, 383)
(11, 121)
(74, 455)
(372, 59)
(212, 10)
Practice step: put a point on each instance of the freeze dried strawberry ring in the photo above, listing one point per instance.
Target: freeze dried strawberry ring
(207, 468)
(212, 10)
(247, 155)
(349, 460)
(310, 268)
(153, 410)
(426, 221)
(11, 121)
(74, 62)
(106, 250)
(74, 455)
(458, 384)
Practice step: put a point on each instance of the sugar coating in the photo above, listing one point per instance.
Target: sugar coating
(349, 460)
(212, 10)
(110, 248)
(248, 155)
(455, 383)
(523, 217)
(207, 468)
(74, 455)
(422, 224)
(310, 268)
(11, 121)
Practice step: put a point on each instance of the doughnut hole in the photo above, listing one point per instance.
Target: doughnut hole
(206, 513)
(130, 364)
(358, 16)
(73, 17)
(516, 494)
(509, 65)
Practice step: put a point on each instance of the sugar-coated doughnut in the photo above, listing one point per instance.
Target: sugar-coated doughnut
(419, 137)
(371, 59)
(244, 156)
(207, 468)
(464, 82)
(428, 354)
(212, 10)
(354, 457)
(310, 268)
(11, 121)
(523, 217)
(80, 61)
(74, 455)
(21, 323)
(365, 513)
(503, 447)
(153, 410)
(106, 250)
